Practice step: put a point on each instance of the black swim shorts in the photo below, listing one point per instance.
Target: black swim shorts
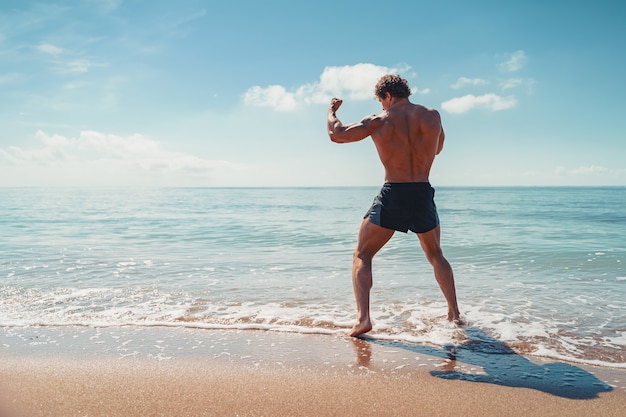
(405, 206)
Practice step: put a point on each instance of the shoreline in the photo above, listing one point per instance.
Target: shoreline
(130, 371)
(466, 336)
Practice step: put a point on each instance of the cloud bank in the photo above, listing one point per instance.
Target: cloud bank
(589, 170)
(96, 158)
(355, 82)
(463, 81)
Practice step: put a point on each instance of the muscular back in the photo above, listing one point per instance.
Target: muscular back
(408, 137)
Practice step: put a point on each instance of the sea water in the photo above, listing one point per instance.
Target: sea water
(540, 269)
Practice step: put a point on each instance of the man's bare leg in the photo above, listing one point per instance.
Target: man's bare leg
(371, 239)
(443, 271)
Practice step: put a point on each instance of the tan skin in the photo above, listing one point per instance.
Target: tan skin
(407, 137)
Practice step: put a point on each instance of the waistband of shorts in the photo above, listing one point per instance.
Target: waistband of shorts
(408, 184)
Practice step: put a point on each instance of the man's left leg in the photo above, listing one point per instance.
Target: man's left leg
(442, 269)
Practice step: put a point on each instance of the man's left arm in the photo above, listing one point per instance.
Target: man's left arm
(442, 138)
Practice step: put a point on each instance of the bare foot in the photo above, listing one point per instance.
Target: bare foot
(456, 319)
(360, 328)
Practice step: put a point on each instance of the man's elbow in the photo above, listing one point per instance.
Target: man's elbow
(334, 137)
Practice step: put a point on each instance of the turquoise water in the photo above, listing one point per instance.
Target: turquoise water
(539, 268)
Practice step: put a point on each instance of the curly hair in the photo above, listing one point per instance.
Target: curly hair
(394, 85)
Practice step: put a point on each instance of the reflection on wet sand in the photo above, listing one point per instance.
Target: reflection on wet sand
(363, 351)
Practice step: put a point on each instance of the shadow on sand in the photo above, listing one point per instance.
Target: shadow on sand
(502, 366)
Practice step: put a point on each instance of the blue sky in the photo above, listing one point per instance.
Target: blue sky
(234, 93)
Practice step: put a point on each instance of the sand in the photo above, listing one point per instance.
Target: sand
(186, 372)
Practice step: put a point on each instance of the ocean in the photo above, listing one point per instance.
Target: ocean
(539, 268)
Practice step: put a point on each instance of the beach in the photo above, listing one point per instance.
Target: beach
(161, 371)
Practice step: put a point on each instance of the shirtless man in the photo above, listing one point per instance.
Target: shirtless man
(407, 137)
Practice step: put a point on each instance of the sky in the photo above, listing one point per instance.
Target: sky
(235, 93)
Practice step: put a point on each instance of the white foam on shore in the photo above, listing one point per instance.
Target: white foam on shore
(414, 320)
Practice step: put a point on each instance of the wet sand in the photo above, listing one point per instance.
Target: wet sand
(129, 372)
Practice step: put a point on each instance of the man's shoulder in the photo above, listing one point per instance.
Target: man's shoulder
(374, 121)
(428, 114)
(374, 117)
(425, 109)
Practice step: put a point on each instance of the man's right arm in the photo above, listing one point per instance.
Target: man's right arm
(354, 132)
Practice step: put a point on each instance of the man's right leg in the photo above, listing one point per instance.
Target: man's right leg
(442, 269)
(371, 238)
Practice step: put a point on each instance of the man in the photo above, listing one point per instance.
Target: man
(407, 137)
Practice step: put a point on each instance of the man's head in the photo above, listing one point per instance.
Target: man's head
(395, 85)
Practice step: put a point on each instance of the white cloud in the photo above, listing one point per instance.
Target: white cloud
(355, 82)
(511, 83)
(75, 85)
(463, 81)
(50, 49)
(96, 158)
(71, 66)
(582, 170)
(76, 66)
(588, 175)
(274, 96)
(489, 101)
(514, 62)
